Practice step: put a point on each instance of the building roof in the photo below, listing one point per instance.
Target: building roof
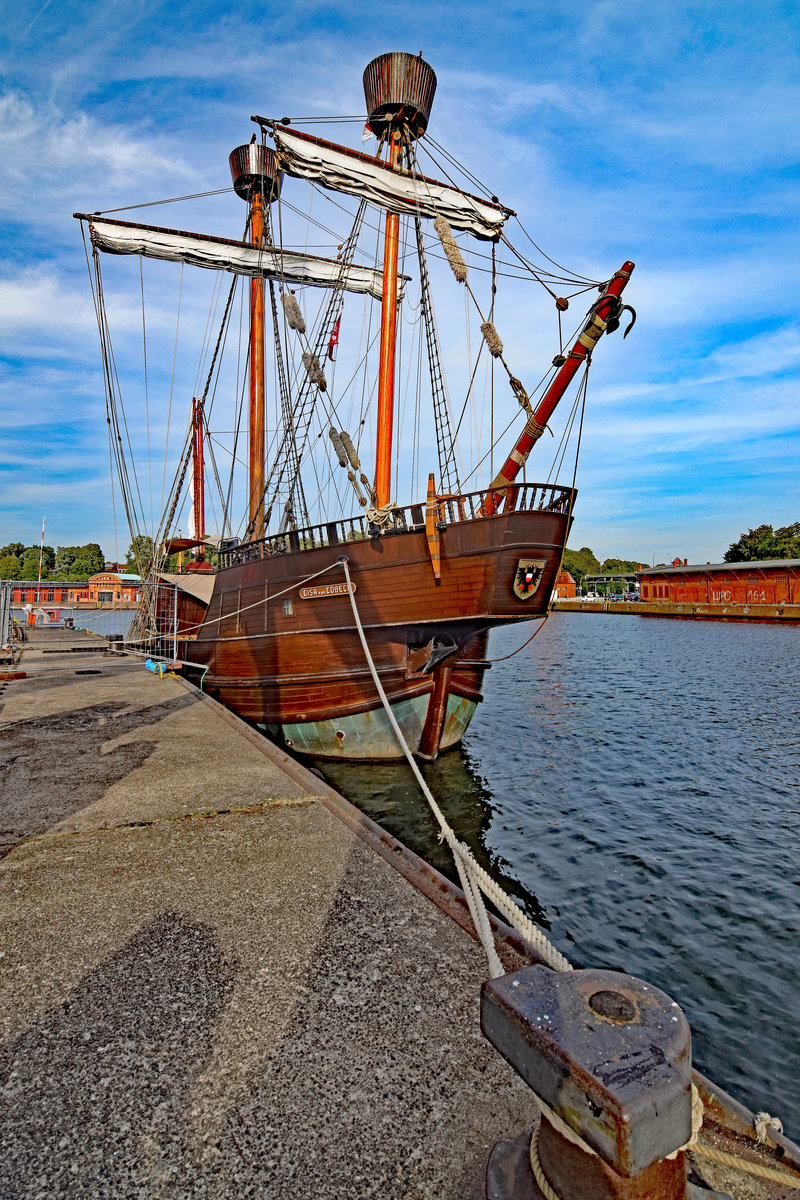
(117, 575)
(756, 565)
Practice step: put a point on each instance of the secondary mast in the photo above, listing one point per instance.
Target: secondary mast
(257, 180)
(399, 90)
(198, 479)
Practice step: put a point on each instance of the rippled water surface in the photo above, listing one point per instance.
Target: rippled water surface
(104, 621)
(634, 782)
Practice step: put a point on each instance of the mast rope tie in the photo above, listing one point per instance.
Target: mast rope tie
(476, 879)
(492, 339)
(294, 317)
(522, 396)
(338, 446)
(451, 250)
(362, 499)
(381, 516)
(352, 453)
(314, 370)
(534, 429)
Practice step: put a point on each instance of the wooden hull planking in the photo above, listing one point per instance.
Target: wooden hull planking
(282, 649)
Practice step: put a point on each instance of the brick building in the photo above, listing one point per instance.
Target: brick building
(107, 587)
(565, 586)
(776, 581)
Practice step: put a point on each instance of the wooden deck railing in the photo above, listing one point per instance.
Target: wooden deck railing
(521, 497)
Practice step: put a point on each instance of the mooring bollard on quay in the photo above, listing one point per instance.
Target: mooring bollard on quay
(609, 1059)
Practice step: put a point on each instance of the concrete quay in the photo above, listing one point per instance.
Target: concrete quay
(746, 613)
(212, 983)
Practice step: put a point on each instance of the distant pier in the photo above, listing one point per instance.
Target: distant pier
(781, 613)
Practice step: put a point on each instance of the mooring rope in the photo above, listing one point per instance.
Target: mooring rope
(469, 869)
(763, 1121)
(744, 1164)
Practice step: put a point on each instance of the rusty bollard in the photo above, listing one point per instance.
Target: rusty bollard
(610, 1058)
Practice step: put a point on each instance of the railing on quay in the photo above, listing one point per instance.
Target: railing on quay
(450, 509)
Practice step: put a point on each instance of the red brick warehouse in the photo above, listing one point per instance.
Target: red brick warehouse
(776, 581)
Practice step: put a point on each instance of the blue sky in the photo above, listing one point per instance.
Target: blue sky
(661, 132)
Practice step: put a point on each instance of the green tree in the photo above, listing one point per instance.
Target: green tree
(93, 556)
(65, 557)
(762, 543)
(787, 541)
(15, 548)
(10, 566)
(581, 563)
(620, 566)
(29, 567)
(140, 555)
(81, 570)
(91, 560)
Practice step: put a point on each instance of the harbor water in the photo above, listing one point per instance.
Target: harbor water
(635, 783)
(103, 621)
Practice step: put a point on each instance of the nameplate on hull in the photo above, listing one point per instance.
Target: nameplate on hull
(326, 589)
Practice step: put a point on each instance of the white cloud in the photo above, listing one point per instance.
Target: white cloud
(61, 157)
(766, 354)
(40, 302)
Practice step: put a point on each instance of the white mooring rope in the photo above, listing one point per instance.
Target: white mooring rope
(474, 879)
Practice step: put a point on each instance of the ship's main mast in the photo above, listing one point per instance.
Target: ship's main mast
(399, 90)
(257, 180)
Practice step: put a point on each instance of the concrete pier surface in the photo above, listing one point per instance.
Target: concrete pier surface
(210, 985)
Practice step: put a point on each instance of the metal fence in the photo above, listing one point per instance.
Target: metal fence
(6, 596)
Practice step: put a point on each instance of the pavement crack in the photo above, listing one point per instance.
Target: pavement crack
(203, 814)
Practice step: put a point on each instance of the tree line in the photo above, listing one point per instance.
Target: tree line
(763, 543)
(78, 563)
(71, 564)
(583, 562)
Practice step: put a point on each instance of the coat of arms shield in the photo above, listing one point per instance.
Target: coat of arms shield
(527, 577)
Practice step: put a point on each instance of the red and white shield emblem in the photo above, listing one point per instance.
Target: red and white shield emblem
(528, 576)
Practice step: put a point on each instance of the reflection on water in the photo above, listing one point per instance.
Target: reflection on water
(389, 793)
(634, 782)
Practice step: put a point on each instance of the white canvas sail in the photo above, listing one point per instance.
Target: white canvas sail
(172, 245)
(345, 170)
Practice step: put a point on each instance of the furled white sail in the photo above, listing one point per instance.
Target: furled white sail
(125, 237)
(345, 170)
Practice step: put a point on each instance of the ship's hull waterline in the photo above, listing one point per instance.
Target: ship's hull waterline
(282, 649)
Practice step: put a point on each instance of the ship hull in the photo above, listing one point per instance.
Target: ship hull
(278, 641)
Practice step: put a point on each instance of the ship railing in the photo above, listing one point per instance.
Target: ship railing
(451, 509)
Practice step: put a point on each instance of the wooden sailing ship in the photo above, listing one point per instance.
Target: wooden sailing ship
(271, 629)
